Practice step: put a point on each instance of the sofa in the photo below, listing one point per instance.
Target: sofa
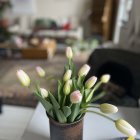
(124, 68)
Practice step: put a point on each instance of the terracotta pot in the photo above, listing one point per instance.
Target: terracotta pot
(70, 131)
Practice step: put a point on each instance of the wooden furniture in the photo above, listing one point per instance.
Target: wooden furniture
(96, 16)
(109, 18)
(44, 51)
(103, 17)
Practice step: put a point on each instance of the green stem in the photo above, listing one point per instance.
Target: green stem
(92, 106)
(97, 86)
(64, 100)
(70, 105)
(99, 96)
(70, 63)
(90, 111)
(89, 97)
(79, 81)
(89, 106)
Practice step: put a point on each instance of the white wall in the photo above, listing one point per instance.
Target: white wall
(58, 9)
(55, 9)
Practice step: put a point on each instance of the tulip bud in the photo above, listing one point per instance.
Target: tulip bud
(67, 88)
(23, 77)
(108, 108)
(125, 128)
(90, 82)
(44, 92)
(69, 53)
(76, 97)
(40, 71)
(70, 82)
(105, 78)
(84, 70)
(67, 75)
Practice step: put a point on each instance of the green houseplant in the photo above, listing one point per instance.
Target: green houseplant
(67, 108)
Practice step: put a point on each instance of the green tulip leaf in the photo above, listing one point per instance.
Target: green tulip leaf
(79, 116)
(82, 79)
(89, 95)
(85, 94)
(60, 116)
(51, 113)
(75, 86)
(66, 67)
(74, 112)
(66, 110)
(54, 101)
(59, 91)
(47, 105)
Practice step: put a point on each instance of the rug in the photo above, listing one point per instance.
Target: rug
(11, 90)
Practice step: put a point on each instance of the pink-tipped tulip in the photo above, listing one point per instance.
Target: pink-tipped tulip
(40, 71)
(90, 82)
(69, 53)
(23, 78)
(84, 70)
(76, 97)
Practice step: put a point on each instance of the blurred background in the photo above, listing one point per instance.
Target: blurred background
(103, 33)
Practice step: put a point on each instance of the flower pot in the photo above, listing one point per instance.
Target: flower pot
(67, 131)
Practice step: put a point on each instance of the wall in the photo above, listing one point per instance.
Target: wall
(55, 9)
(58, 9)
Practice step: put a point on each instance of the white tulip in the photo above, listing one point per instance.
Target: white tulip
(67, 88)
(84, 70)
(124, 127)
(69, 53)
(90, 82)
(23, 78)
(67, 75)
(40, 71)
(108, 108)
(105, 78)
(70, 82)
(44, 92)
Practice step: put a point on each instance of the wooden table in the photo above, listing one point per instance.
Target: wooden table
(95, 127)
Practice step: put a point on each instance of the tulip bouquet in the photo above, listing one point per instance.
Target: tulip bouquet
(75, 95)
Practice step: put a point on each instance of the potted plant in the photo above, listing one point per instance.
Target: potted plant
(66, 108)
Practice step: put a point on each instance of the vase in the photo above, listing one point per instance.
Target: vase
(66, 131)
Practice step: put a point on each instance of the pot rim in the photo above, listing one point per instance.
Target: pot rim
(63, 124)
